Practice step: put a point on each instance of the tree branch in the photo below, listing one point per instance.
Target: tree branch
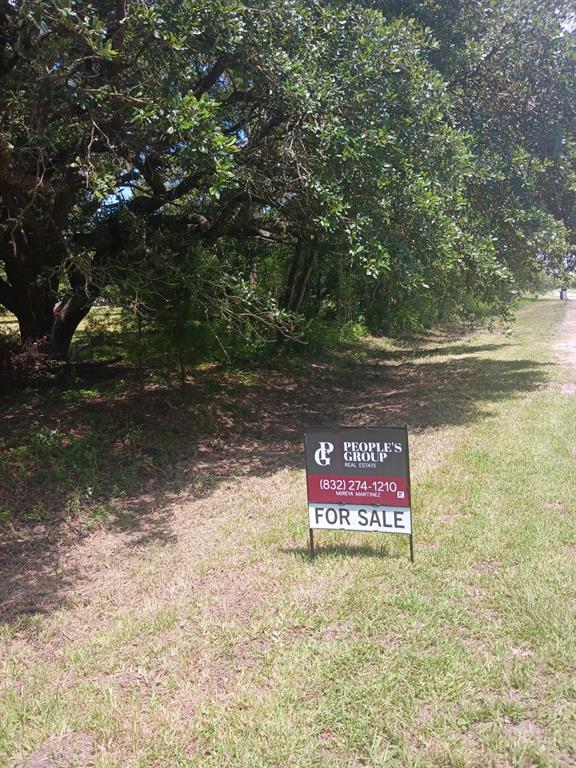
(211, 77)
(149, 169)
(147, 205)
(483, 61)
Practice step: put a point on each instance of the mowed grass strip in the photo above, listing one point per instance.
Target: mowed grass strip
(249, 655)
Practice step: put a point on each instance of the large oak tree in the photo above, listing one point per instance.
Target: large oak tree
(328, 130)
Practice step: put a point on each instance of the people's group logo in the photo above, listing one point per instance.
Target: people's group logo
(322, 455)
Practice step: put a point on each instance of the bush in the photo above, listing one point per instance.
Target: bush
(315, 336)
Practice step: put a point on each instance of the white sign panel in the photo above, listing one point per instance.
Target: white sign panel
(354, 517)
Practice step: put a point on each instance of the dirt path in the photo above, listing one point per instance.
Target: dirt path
(565, 346)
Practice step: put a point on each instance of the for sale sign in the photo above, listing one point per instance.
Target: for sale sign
(359, 480)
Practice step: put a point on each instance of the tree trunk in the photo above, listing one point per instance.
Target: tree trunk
(300, 293)
(43, 320)
(67, 318)
(305, 255)
(288, 298)
(51, 326)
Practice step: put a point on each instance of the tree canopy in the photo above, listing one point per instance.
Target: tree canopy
(364, 159)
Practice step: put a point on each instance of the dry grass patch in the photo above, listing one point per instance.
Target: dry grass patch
(65, 751)
(193, 632)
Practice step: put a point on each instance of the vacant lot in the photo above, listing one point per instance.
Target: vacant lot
(159, 607)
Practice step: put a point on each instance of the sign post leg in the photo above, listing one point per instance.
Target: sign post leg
(311, 531)
(411, 548)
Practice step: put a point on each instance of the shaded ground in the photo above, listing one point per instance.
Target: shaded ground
(109, 453)
(186, 627)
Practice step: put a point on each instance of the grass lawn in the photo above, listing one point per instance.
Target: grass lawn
(187, 626)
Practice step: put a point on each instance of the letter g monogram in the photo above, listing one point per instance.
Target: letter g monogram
(321, 455)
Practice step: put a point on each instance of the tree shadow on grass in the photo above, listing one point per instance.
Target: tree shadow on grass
(449, 350)
(122, 458)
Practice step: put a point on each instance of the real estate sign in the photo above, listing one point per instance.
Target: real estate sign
(359, 480)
